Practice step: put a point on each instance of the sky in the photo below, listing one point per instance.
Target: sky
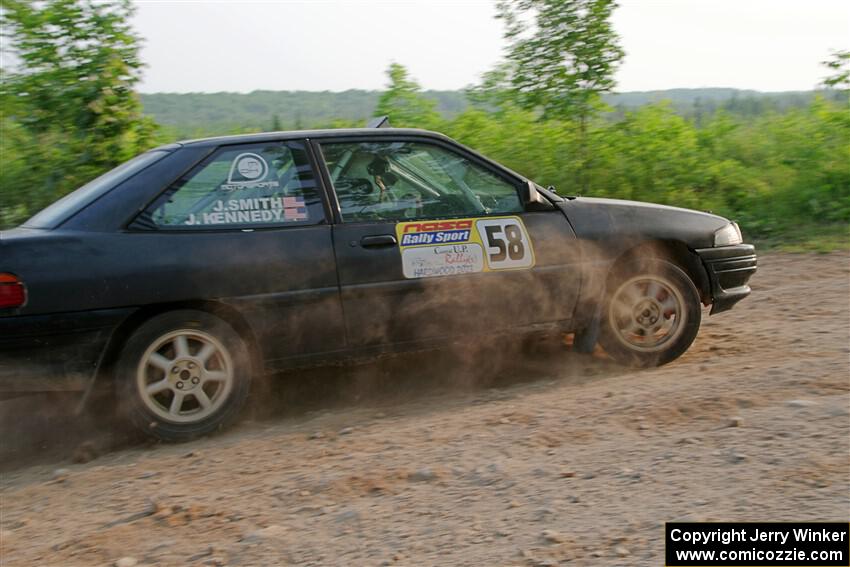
(241, 46)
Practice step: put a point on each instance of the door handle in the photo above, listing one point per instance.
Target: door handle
(378, 241)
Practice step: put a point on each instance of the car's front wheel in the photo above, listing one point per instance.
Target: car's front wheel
(652, 314)
(183, 374)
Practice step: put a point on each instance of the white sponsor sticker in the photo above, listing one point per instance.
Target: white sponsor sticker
(430, 261)
(462, 246)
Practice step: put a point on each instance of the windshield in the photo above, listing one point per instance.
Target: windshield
(56, 213)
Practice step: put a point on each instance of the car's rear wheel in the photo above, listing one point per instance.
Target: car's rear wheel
(652, 314)
(183, 374)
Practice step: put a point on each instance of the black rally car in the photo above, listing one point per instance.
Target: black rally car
(179, 275)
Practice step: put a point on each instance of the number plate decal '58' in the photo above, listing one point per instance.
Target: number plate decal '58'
(463, 246)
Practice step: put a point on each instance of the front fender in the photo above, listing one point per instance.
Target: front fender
(611, 231)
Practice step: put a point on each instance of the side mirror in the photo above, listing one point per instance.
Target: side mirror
(531, 197)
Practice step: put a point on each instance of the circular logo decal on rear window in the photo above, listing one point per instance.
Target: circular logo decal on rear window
(250, 167)
(247, 168)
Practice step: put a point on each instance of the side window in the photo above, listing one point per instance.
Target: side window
(247, 186)
(413, 180)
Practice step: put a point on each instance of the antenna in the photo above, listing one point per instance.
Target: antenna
(379, 122)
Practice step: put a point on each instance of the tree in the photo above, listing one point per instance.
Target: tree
(276, 126)
(69, 96)
(562, 55)
(403, 101)
(840, 66)
(493, 92)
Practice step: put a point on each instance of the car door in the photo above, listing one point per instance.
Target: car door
(247, 228)
(432, 242)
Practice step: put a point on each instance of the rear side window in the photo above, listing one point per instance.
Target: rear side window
(67, 206)
(247, 186)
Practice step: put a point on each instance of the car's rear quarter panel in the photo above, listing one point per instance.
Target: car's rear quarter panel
(282, 282)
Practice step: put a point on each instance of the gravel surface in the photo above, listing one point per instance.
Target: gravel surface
(461, 459)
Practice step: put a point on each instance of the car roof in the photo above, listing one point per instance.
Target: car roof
(300, 134)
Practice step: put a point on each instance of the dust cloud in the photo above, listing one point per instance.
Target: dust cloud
(510, 453)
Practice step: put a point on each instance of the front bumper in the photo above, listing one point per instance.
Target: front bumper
(729, 269)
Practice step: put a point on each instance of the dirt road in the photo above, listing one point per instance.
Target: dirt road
(561, 459)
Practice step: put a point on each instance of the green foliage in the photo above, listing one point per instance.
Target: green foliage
(276, 125)
(195, 115)
(650, 155)
(403, 101)
(839, 65)
(562, 55)
(779, 164)
(564, 58)
(773, 173)
(69, 110)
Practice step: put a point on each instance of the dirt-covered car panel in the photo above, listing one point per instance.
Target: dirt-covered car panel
(261, 246)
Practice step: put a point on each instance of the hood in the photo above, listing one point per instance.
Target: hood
(643, 205)
(616, 219)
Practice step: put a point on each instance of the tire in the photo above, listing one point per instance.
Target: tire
(651, 316)
(183, 374)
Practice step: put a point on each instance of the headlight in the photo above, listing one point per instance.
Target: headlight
(728, 235)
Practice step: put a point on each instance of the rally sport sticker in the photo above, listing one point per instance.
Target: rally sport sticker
(463, 246)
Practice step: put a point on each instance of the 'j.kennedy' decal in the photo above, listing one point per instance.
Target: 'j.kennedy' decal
(248, 173)
(255, 210)
(463, 246)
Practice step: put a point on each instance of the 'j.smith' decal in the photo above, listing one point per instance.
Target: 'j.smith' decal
(463, 246)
